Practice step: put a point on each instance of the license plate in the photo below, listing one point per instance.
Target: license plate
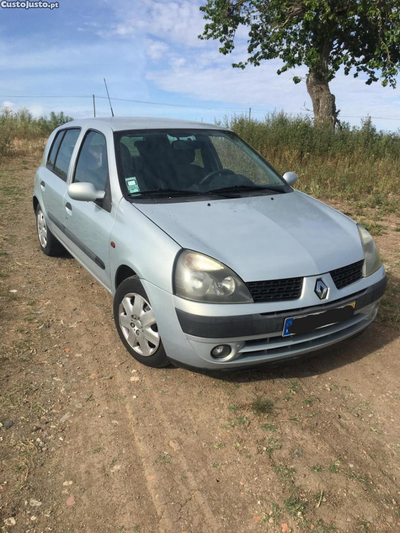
(307, 324)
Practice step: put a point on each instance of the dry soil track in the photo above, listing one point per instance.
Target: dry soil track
(101, 444)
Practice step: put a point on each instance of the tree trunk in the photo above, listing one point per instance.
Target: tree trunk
(323, 101)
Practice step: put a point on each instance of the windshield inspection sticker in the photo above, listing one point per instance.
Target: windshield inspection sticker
(132, 185)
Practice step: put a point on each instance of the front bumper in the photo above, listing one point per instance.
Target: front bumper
(255, 335)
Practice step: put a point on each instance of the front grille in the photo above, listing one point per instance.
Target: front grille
(276, 290)
(347, 275)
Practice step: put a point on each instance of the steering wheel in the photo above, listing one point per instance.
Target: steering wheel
(209, 176)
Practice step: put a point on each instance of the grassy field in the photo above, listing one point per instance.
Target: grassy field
(359, 165)
(21, 134)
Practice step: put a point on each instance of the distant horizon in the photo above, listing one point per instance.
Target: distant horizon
(149, 52)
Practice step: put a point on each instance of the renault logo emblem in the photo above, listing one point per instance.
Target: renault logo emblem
(321, 290)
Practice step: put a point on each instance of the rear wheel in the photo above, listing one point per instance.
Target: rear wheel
(48, 242)
(136, 324)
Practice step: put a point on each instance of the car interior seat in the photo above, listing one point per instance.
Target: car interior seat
(187, 172)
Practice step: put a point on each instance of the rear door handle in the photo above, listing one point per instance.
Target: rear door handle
(42, 185)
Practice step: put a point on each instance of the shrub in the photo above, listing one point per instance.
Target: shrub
(21, 133)
(359, 164)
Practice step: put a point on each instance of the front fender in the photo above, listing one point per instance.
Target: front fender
(142, 246)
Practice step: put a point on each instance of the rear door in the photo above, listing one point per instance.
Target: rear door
(89, 224)
(53, 179)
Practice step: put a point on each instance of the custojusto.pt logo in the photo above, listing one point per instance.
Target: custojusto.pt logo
(5, 4)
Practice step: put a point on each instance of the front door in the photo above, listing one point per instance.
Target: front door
(89, 224)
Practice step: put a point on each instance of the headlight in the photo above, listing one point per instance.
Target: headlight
(203, 279)
(372, 260)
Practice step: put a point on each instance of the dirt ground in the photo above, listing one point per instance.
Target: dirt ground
(91, 441)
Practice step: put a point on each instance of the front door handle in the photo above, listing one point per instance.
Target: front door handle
(42, 185)
(68, 208)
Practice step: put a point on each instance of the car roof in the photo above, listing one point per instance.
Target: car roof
(143, 123)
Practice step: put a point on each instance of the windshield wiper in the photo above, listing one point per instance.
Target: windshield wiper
(248, 188)
(175, 192)
(164, 192)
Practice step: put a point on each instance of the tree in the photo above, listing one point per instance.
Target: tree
(360, 36)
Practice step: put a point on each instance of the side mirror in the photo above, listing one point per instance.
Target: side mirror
(85, 192)
(290, 177)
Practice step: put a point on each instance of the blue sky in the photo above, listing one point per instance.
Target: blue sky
(148, 50)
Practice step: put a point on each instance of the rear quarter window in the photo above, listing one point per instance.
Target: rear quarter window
(64, 154)
(54, 149)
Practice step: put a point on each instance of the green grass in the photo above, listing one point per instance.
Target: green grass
(316, 468)
(242, 420)
(295, 505)
(334, 467)
(285, 473)
(272, 445)
(362, 478)
(294, 387)
(389, 309)
(262, 406)
(268, 427)
(163, 459)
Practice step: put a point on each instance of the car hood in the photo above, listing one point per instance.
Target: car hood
(263, 237)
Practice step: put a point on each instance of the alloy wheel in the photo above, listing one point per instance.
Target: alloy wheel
(138, 324)
(41, 228)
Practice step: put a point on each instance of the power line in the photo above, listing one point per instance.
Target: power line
(185, 106)
(189, 106)
(369, 116)
(361, 116)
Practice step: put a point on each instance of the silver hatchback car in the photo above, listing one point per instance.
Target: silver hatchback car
(213, 259)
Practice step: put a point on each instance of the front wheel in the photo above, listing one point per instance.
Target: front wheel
(136, 324)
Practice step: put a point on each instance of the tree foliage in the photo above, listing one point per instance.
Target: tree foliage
(363, 35)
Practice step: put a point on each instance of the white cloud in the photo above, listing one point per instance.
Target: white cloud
(195, 69)
(36, 110)
(8, 105)
(262, 88)
(152, 46)
(251, 87)
(178, 21)
(156, 49)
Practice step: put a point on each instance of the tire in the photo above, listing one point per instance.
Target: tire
(136, 325)
(49, 244)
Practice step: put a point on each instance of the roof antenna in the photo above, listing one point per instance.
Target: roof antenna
(109, 99)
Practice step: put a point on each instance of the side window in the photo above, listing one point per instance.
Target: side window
(63, 157)
(54, 149)
(198, 158)
(92, 165)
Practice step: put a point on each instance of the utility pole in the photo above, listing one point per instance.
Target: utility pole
(94, 106)
(249, 113)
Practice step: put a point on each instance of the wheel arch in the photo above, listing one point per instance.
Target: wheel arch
(123, 272)
(35, 203)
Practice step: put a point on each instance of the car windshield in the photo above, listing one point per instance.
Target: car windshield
(198, 161)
